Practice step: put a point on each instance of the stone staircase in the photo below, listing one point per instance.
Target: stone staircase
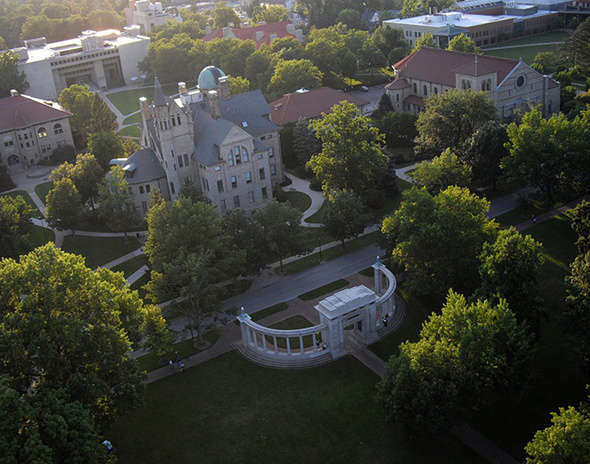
(287, 362)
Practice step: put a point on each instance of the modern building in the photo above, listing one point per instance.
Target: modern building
(263, 34)
(480, 7)
(512, 85)
(309, 104)
(148, 15)
(227, 145)
(30, 129)
(102, 59)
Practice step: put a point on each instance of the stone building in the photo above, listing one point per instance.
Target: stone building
(148, 15)
(225, 144)
(510, 84)
(30, 129)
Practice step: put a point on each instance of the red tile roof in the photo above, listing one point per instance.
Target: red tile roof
(398, 84)
(22, 111)
(249, 33)
(307, 105)
(440, 66)
(414, 100)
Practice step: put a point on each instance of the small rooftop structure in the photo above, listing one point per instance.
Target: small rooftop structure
(345, 301)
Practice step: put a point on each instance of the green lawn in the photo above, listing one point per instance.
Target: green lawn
(40, 236)
(138, 285)
(318, 216)
(99, 250)
(42, 190)
(527, 53)
(299, 200)
(127, 101)
(228, 410)
(28, 200)
(553, 36)
(324, 289)
(133, 119)
(131, 265)
(130, 131)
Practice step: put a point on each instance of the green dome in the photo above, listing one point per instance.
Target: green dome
(209, 78)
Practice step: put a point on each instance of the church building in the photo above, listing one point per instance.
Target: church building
(226, 145)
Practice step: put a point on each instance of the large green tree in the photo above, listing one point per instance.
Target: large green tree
(399, 129)
(64, 206)
(246, 235)
(351, 156)
(290, 75)
(305, 143)
(70, 329)
(462, 43)
(427, 40)
(10, 77)
(15, 226)
(105, 146)
(443, 171)
(224, 14)
(344, 216)
(463, 354)
(86, 174)
(437, 240)
(575, 47)
(449, 119)
(116, 204)
(280, 223)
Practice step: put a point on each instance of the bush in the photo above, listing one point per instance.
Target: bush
(5, 180)
(286, 182)
(67, 153)
(279, 194)
(315, 184)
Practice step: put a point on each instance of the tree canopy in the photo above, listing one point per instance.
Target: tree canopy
(444, 170)
(575, 47)
(116, 204)
(351, 156)
(290, 75)
(64, 205)
(462, 43)
(15, 226)
(10, 77)
(344, 217)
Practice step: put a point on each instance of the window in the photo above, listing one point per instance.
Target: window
(264, 193)
(185, 156)
(8, 141)
(220, 186)
(415, 88)
(172, 187)
(237, 201)
(148, 188)
(248, 177)
(178, 119)
(238, 155)
(519, 81)
(57, 129)
(222, 206)
(234, 182)
(262, 175)
(141, 189)
(425, 89)
(250, 197)
(230, 158)
(180, 162)
(245, 157)
(271, 152)
(397, 97)
(173, 121)
(435, 91)
(206, 184)
(273, 169)
(42, 132)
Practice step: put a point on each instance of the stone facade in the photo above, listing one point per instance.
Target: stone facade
(148, 15)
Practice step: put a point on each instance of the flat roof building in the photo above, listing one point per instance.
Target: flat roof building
(102, 60)
(148, 15)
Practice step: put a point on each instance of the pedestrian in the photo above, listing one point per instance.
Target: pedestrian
(534, 219)
(180, 366)
(177, 357)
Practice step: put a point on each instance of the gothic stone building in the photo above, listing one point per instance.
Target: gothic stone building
(225, 144)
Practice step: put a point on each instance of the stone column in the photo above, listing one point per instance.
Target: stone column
(301, 344)
(288, 345)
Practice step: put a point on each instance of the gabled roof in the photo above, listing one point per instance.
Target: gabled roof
(147, 167)
(398, 84)
(307, 105)
(249, 33)
(440, 66)
(22, 111)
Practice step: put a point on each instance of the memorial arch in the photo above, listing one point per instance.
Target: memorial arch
(366, 310)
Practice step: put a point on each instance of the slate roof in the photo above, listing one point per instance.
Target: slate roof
(23, 111)
(159, 97)
(249, 33)
(307, 105)
(398, 84)
(148, 167)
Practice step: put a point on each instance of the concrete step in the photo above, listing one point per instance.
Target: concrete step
(282, 362)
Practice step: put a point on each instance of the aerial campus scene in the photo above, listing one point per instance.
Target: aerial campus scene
(295, 231)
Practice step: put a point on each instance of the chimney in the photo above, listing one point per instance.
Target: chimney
(13, 93)
(213, 104)
(231, 24)
(225, 32)
(182, 88)
(224, 90)
(145, 109)
(208, 30)
(273, 37)
(259, 35)
(290, 29)
(299, 35)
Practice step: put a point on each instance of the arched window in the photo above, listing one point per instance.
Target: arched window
(58, 129)
(238, 155)
(8, 141)
(415, 88)
(397, 97)
(42, 132)
(230, 158)
(245, 157)
(463, 85)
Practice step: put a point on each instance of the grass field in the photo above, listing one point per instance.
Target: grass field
(295, 322)
(228, 410)
(527, 53)
(133, 119)
(131, 265)
(553, 36)
(42, 190)
(40, 236)
(127, 101)
(98, 250)
(130, 131)
(318, 216)
(299, 200)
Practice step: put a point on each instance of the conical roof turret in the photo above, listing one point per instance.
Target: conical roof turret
(159, 97)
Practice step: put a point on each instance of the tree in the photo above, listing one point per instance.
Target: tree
(260, 68)
(103, 119)
(116, 204)
(64, 206)
(351, 18)
(427, 40)
(238, 85)
(370, 57)
(581, 225)
(305, 143)
(10, 77)
(351, 156)
(270, 13)
(484, 151)
(410, 8)
(392, 43)
(451, 118)
(86, 174)
(191, 191)
(443, 171)
(287, 48)
(78, 100)
(68, 328)
(545, 152)
(280, 224)
(544, 60)
(399, 129)
(509, 270)
(290, 75)
(566, 440)
(15, 226)
(188, 255)
(246, 235)
(437, 240)
(344, 218)
(575, 47)
(463, 354)
(323, 45)
(576, 315)
(224, 14)
(348, 64)
(462, 43)
(105, 146)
